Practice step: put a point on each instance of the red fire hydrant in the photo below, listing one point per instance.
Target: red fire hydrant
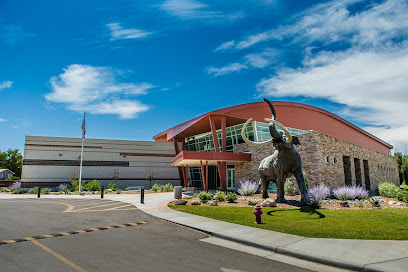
(258, 214)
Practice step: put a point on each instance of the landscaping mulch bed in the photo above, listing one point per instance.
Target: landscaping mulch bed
(293, 202)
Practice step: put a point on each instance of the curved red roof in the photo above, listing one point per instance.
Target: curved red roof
(290, 114)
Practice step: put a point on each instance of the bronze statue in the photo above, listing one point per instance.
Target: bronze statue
(284, 162)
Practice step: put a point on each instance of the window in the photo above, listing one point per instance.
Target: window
(1, 175)
(327, 159)
(334, 160)
(10, 175)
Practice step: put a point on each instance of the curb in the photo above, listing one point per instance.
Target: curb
(282, 250)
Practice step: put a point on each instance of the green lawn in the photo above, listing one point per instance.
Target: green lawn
(369, 224)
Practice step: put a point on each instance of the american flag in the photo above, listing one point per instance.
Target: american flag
(83, 128)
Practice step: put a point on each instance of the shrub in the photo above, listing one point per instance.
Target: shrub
(62, 187)
(204, 196)
(112, 186)
(404, 187)
(16, 191)
(94, 185)
(167, 188)
(231, 197)
(387, 189)
(46, 191)
(118, 191)
(306, 180)
(247, 188)
(250, 203)
(402, 195)
(350, 193)
(75, 185)
(319, 193)
(289, 188)
(155, 188)
(15, 185)
(14, 178)
(220, 196)
(33, 190)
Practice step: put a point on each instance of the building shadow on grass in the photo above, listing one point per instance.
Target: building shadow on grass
(307, 209)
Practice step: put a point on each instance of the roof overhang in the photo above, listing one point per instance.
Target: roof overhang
(195, 158)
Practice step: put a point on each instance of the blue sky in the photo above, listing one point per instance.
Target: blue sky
(140, 67)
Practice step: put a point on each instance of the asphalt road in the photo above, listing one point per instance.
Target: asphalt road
(154, 245)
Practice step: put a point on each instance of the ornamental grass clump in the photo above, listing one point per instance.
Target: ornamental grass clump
(15, 185)
(247, 188)
(231, 197)
(318, 194)
(350, 193)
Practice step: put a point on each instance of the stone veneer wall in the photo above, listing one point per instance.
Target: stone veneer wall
(314, 149)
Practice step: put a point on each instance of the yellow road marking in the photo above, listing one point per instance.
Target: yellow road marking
(61, 258)
(94, 229)
(48, 236)
(122, 226)
(115, 208)
(80, 231)
(65, 233)
(143, 222)
(9, 241)
(29, 238)
(96, 206)
(108, 227)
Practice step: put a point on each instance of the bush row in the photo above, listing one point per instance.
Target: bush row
(219, 196)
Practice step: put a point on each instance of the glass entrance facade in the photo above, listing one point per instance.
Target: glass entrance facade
(256, 131)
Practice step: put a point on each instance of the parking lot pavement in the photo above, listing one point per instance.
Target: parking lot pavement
(154, 245)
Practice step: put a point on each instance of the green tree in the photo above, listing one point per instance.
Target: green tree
(402, 166)
(12, 160)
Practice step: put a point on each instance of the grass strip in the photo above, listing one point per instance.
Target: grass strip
(367, 224)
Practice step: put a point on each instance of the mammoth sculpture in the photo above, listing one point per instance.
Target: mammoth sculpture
(284, 162)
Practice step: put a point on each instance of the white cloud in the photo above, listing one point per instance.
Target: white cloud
(372, 84)
(263, 59)
(119, 33)
(192, 9)
(234, 67)
(96, 90)
(5, 84)
(333, 22)
(3, 120)
(225, 46)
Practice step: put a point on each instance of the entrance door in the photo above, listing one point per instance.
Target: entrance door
(231, 179)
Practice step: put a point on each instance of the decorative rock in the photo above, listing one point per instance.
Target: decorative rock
(269, 203)
(109, 190)
(212, 203)
(393, 202)
(344, 204)
(5, 190)
(195, 202)
(180, 202)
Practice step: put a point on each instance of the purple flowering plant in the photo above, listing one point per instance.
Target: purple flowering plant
(62, 187)
(247, 188)
(319, 193)
(15, 185)
(350, 192)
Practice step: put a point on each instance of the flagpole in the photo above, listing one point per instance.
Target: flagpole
(82, 155)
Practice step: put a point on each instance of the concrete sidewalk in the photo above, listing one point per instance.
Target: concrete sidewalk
(358, 255)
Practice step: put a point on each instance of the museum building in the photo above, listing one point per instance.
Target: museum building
(208, 152)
